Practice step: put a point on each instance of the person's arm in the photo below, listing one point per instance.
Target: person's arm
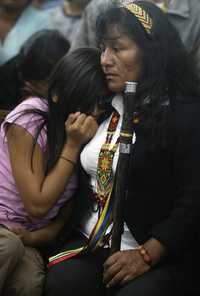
(178, 230)
(48, 233)
(175, 233)
(124, 266)
(39, 192)
(85, 34)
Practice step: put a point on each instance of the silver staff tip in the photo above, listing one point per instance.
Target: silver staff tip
(130, 87)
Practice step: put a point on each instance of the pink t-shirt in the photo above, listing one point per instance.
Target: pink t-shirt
(12, 211)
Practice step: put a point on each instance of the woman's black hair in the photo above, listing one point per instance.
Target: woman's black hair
(168, 70)
(39, 55)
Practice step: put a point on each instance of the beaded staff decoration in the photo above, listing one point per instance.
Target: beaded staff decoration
(104, 169)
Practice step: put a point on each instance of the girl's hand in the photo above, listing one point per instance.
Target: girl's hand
(48, 233)
(24, 235)
(80, 128)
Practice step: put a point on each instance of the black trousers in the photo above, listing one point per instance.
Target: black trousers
(82, 276)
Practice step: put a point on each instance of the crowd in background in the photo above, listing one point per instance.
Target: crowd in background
(18, 22)
(75, 20)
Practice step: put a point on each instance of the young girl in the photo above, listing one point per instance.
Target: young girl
(40, 142)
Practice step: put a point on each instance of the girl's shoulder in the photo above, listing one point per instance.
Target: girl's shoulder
(25, 110)
(30, 103)
(28, 115)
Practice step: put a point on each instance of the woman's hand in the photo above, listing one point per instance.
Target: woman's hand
(123, 266)
(80, 128)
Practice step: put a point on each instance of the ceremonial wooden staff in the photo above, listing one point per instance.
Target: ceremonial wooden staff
(120, 188)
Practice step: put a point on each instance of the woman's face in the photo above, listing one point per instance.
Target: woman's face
(121, 60)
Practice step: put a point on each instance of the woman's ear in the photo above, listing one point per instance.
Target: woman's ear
(55, 99)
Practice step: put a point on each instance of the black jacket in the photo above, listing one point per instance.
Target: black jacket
(163, 183)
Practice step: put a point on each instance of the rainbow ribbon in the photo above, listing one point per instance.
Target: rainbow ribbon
(96, 239)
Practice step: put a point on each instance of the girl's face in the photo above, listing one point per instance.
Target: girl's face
(121, 60)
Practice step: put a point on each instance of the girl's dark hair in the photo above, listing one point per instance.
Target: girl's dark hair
(39, 55)
(78, 83)
(168, 70)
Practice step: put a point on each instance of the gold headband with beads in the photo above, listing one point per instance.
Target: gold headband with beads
(142, 16)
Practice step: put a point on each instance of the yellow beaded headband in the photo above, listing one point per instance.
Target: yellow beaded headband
(142, 16)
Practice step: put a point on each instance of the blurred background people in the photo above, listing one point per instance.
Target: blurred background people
(85, 35)
(30, 69)
(47, 4)
(37, 58)
(67, 17)
(18, 21)
(183, 14)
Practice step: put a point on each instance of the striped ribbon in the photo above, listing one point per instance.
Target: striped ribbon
(96, 239)
(98, 236)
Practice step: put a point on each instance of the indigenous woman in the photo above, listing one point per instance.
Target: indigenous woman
(162, 206)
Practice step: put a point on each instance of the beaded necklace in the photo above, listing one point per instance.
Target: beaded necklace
(98, 236)
(104, 182)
